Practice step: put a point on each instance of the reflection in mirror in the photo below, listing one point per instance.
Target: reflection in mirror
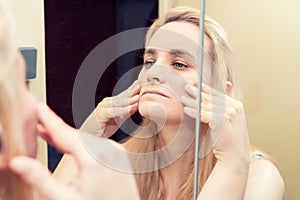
(265, 38)
(66, 49)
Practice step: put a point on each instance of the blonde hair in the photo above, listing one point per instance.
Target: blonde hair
(151, 185)
(12, 136)
(220, 50)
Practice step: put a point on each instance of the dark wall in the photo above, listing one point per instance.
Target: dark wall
(72, 29)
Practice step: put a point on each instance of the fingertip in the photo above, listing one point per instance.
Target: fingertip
(42, 109)
(137, 87)
(189, 89)
(184, 109)
(183, 99)
(18, 165)
(135, 98)
(205, 87)
(188, 111)
(136, 83)
(133, 108)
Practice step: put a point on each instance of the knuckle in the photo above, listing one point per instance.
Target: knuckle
(239, 105)
(230, 114)
(106, 102)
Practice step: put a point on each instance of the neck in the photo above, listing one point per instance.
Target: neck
(172, 130)
(177, 139)
(173, 175)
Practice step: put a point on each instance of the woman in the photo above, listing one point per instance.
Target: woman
(19, 117)
(165, 95)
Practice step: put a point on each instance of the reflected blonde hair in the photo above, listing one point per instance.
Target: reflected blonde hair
(151, 184)
(12, 137)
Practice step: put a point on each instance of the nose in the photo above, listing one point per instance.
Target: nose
(156, 73)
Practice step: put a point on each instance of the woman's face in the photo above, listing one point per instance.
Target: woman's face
(170, 62)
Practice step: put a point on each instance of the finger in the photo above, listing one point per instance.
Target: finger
(213, 93)
(209, 90)
(133, 108)
(191, 90)
(109, 113)
(207, 104)
(220, 98)
(122, 111)
(125, 113)
(36, 175)
(193, 103)
(216, 101)
(63, 137)
(43, 133)
(189, 102)
(119, 102)
(206, 116)
(134, 89)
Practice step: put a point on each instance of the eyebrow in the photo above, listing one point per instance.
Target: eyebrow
(182, 53)
(173, 52)
(150, 51)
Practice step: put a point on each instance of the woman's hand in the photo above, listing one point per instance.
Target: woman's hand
(227, 138)
(93, 179)
(111, 112)
(228, 134)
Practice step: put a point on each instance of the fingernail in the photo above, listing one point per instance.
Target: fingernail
(183, 99)
(137, 84)
(135, 97)
(188, 88)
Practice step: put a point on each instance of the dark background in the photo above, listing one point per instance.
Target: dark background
(72, 29)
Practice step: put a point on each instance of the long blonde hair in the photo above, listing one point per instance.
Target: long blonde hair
(12, 137)
(151, 185)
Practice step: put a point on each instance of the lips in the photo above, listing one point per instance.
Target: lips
(155, 92)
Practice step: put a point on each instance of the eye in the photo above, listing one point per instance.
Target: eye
(180, 65)
(148, 63)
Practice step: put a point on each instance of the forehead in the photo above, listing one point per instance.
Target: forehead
(178, 35)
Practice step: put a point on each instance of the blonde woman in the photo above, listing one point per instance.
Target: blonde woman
(19, 117)
(165, 95)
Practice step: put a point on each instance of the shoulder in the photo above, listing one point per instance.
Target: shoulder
(264, 181)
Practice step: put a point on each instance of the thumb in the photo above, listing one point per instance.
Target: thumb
(35, 174)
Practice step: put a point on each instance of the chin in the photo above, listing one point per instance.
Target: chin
(150, 109)
(159, 114)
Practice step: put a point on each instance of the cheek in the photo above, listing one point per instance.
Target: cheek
(192, 78)
(161, 110)
(207, 72)
(144, 107)
(181, 80)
